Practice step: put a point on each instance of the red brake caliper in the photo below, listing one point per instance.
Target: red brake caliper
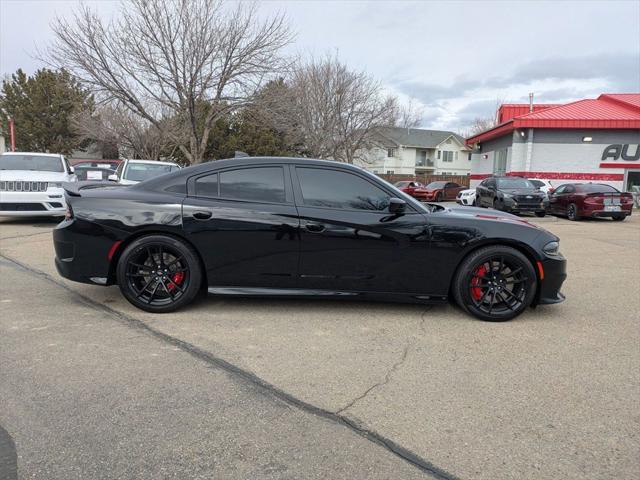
(177, 278)
(476, 290)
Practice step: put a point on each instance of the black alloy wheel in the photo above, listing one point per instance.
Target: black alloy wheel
(495, 283)
(498, 204)
(439, 197)
(572, 212)
(159, 273)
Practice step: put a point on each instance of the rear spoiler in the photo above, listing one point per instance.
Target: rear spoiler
(74, 189)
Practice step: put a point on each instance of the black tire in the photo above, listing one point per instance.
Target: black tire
(619, 218)
(159, 273)
(439, 197)
(497, 204)
(499, 299)
(476, 202)
(572, 212)
(540, 214)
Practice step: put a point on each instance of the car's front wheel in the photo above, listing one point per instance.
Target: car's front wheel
(159, 273)
(495, 283)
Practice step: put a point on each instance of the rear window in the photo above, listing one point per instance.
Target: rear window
(436, 185)
(37, 163)
(139, 172)
(537, 183)
(598, 188)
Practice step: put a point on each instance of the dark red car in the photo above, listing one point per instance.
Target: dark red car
(439, 191)
(577, 200)
(408, 186)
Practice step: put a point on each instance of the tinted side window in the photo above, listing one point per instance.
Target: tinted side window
(260, 184)
(560, 189)
(207, 186)
(335, 189)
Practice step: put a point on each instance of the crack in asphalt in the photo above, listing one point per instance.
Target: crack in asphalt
(248, 376)
(386, 380)
(24, 236)
(391, 371)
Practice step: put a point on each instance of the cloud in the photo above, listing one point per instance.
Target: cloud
(619, 72)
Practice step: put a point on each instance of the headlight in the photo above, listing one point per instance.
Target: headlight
(55, 184)
(507, 195)
(551, 248)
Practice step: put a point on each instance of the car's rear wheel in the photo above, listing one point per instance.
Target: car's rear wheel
(572, 212)
(439, 197)
(159, 273)
(495, 283)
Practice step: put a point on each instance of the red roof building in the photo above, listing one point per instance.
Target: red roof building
(587, 140)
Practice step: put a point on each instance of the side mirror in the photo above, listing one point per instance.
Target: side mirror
(551, 190)
(113, 177)
(397, 205)
(72, 169)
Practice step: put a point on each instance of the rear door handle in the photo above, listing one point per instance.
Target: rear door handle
(202, 215)
(315, 227)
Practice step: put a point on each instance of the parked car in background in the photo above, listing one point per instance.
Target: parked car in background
(408, 186)
(440, 191)
(108, 163)
(130, 172)
(541, 184)
(31, 184)
(578, 200)
(292, 227)
(466, 197)
(84, 172)
(511, 194)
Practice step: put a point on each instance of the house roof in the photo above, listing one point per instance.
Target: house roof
(607, 111)
(509, 110)
(417, 137)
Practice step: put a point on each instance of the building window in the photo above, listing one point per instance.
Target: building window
(447, 156)
(469, 156)
(390, 172)
(391, 152)
(455, 156)
(500, 162)
(438, 154)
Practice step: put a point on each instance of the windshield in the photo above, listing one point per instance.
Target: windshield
(537, 183)
(138, 172)
(514, 183)
(40, 163)
(436, 185)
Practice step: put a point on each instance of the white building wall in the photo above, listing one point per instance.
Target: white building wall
(460, 165)
(558, 155)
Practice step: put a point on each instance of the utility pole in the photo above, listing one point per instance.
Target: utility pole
(12, 134)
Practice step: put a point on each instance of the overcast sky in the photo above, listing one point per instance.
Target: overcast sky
(455, 58)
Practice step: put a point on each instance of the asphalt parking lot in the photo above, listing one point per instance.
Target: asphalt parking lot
(249, 388)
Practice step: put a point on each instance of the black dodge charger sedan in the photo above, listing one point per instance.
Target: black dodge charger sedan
(296, 227)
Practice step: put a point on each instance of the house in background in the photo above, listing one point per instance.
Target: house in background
(407, 151)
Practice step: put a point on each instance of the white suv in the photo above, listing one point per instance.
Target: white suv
(31, 184)
(131, 172)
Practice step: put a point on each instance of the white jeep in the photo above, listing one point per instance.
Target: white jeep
(31, 184)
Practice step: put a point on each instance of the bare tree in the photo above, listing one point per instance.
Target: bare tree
(330, 111)
(482, 124)
(187, 60)
(135, 136)
(407, 115)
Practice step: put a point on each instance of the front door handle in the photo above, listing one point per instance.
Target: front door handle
(315, 227)
(202, 215)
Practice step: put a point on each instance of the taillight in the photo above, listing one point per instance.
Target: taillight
(594, 200)
(68, 214)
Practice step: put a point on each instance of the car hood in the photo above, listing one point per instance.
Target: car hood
(483, 214)
(34, 175)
